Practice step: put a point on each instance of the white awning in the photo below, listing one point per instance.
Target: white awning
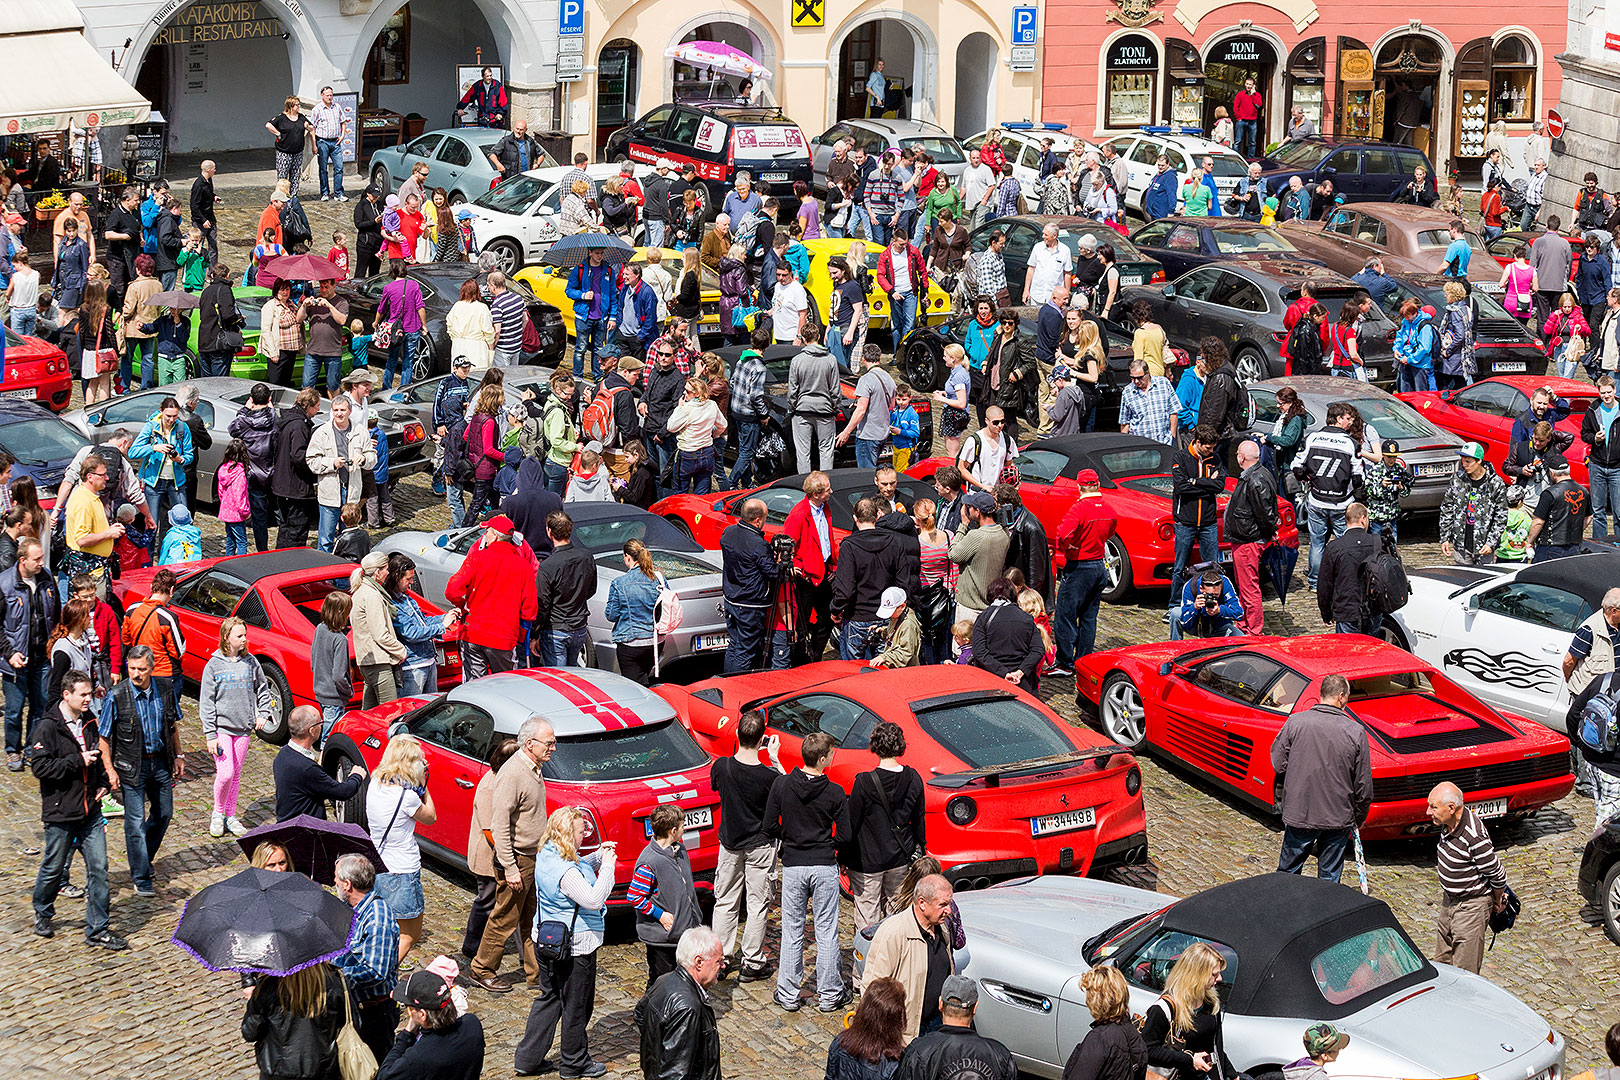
(54, 77)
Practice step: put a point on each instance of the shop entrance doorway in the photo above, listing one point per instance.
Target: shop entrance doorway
(1228, 64)
(894, 43)
(1407, 77)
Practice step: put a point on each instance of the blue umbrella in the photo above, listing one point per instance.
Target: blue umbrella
(571, 251)
(1278, 561)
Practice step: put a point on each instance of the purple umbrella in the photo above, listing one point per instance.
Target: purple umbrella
(314, 844)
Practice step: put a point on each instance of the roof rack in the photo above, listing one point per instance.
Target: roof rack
(762, 112)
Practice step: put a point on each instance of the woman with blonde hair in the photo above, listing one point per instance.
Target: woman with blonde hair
(484, 447)
(953, 422)
(618, 214)
(571, 889)
(1082, 352)
(233, 698)
(1113, 1049)
(272, 856)
(293, 1022)
(696, 423)
(735, 293)
(1035, 608)
(443, 231)
(1182, 1028)
(688, 299)
(397, 800)
(574, 216)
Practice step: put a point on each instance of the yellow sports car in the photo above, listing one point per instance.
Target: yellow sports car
(550, 283)
(877, 301)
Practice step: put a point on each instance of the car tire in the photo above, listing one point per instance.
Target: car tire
(508, 256)
(1117, 562)
(1251, 366)
(1391, 632)
(341, 755)
(457, 198)
(281, 695)
(425, 361)
(681, 527)
(380, 179)
(924, 366)
(1120, 714)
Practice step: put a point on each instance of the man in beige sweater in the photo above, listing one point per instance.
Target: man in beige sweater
(517, 826)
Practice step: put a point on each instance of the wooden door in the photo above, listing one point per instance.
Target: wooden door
(854, 67)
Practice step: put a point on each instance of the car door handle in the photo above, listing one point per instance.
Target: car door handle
(463, 782)
(1017, 998)
(1551, 649)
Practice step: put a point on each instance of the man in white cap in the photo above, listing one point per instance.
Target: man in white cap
(902, 634)
(655, 215)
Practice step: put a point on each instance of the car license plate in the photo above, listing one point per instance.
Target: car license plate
(770, 176)
(1508, 365)
(705, 642)
(1445, 468)
(690, 822)
(438, 655)
(1130, 279)
(1067, 821)
(1489, 808)
(26, 394)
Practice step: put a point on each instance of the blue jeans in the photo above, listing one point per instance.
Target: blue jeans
(334, 370)
(563, 648)
(1079, 595)
(661, 451)
(746, 629)
(1246, 137)
(556, 476)
(90, 837)
(1604, 480)
(1491, 232)
(1549, 552)
(747, 444)
(1408, 377)
(1329, 844)
(902, 315)
(1209, 549)
(1568, 362)
(781, 651)
(159, 497)
(863, 218)
(23, 322)
(26, 687)
(457, 500)
(261, 504)
(1368, 626)
(331, 714)
(148, 806)
(588, 334)
(860, 640)
(818, 887)
(146, 349)
(329, 151)
(866, 453)
(1379, 528)
(215, 364)
(402, 349)
(877, 232)
(330, 520)
(1527, 219)
(236, 538)
(655, 232)
(840, 351)
(1324, 525)
(693, 470)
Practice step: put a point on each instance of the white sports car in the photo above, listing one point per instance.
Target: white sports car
(517, 221)
(1501, 631)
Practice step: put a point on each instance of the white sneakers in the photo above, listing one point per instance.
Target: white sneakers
(235, 827)
(216, 826)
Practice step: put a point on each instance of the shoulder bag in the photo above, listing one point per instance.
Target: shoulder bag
(106, 359)
(355, 1059)
(902, 838)
(553, 940)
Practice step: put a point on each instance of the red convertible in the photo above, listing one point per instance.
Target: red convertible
(1216, 707)
(1135, 476)
(1484, 412)
(36, 371)
(279, 595)
(1011, 788)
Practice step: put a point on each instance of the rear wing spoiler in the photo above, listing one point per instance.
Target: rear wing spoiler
(994, 774)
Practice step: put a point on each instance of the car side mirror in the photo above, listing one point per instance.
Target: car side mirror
(1473, 602)
(398, 727)
(1166, 668)
(1169, 291)
(815, 140)
(442, 540)
(1329, 170)
(1445, 395)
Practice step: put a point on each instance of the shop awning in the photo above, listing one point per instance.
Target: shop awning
(54, 77)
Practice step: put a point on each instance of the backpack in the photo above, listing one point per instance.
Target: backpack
(295, 228)
(668, 613)
(1238, 410)
(597, 424)
(458, 462)
(1597, 731)
(1387, 587)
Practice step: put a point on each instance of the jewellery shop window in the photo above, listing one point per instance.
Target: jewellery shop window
(1513, 80)
(1133, 76)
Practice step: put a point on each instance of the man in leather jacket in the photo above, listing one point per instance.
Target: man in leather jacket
(679, 1037)
(1029, 550)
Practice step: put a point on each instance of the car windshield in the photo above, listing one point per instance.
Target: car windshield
(630, 754)
(944, 151)
(39, 441)
(1124, 250)
(1108, 942)
(1249, 241)
(606, 535)
(1440, 239)
(993, 732)
(1363, 963)
(1395, 419)
(1394, 683)
(1302, 155)
(1228, 166)
(672, 564)
(514, 196)
(308, 596)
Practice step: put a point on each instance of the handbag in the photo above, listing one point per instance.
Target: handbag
(935, 606)
(355, 1059)
(553, 940)
(106, 359)
(382, 337)
(906, 843)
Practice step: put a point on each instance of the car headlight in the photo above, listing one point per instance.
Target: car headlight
(961, 810)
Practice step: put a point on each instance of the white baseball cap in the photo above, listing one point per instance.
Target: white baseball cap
(665, 163)
(893, 599)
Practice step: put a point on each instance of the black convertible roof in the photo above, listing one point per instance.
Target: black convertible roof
(252, 569)
(1587, 576)
(1278, 924)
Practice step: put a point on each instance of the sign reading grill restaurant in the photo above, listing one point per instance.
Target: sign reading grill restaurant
(217, 22)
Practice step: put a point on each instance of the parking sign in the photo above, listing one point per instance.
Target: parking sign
(1023, 25)
(571, 17)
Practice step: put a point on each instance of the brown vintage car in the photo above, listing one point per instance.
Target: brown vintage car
(1408, 238)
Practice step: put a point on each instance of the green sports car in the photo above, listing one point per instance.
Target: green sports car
(249, 362)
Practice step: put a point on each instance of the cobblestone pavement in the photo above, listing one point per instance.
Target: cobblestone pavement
(72, 1012)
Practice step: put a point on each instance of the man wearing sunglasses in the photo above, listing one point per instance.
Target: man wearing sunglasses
(1148, 406)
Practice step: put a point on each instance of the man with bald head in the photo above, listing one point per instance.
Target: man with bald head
(913, 946)
(1472, 881)
(517, 826)
(750, 588)
(1251, 524)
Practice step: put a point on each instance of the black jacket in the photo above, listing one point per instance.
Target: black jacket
(8, 551)
(640, 487)
(655, 198)
(202, 201)
(1222, 401)
(626, 419)
(661, 393)
(293, 478)
(564, 586)
(1525, 453)
(452, 1053)
(1005, 638)
(1019, 398)
(506, 152)
(1341, 583)
(956, 1051)
(125, 738)
(869, 561)
(217, 312)
(1108, 1052)
(1251, 513)
(1194, 483)
(530, 505)
(1029, 550)
(679, 1037)
(367, 226)
(302, 786)
(885, 839)
(294, 1046)
(750, 571)
(68, 788)
(810, 816)
(1606, 452)
(902, 526)
(166, 230)
(256, 428)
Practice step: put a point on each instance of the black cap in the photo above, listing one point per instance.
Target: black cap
(424, 990)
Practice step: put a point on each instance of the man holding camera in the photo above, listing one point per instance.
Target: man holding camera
(751, 573)
(1209, 607)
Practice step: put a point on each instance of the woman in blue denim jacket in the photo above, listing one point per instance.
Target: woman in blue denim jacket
(419, 674)
(632, 606)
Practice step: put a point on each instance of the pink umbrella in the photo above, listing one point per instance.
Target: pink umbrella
(719, 57)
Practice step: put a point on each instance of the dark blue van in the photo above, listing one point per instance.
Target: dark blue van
(1361, 169)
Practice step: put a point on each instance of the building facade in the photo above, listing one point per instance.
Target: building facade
(1590, 141)
(1439, 81)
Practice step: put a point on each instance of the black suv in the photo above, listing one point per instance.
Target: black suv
(1361, 169)
(1599, 879)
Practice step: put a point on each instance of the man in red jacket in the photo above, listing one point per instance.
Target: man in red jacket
(1082, 542)
(815, 557)
(902, 274)
(495, 590)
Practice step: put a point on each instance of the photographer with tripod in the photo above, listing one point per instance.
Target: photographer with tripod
(750, 584)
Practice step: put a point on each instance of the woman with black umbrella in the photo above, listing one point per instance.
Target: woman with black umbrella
(293, 1022)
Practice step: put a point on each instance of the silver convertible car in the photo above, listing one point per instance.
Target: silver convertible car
(602, 529)
(1297, 950)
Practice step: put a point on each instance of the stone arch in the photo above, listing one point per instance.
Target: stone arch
(926, 103)
(745, 16)
(520, 53)
(307, 50)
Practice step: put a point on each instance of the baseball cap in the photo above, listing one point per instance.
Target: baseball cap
(424, 990)
(1322, 1038)
(1087, 476)
(1059, 372)
(500, 523)
(982, 501)
(461, 362)
(664, 163)
(959, 990)
(1391, 447)
(893, 599)
(1473, 450)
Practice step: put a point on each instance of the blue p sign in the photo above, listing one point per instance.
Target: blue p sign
(571, 17)
(1023, 25)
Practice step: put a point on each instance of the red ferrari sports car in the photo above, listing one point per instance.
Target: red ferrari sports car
(1216, 707)
(279, 595)
(36, 370)
(1012, 789)
(1135, 476)
(620, 753)
(1484, 412)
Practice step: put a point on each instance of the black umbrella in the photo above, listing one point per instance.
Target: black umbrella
(314, 844)
(1278, 561)
(571, 251)
(264, 922)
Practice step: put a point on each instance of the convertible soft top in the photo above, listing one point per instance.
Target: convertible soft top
(1587, 576)
(251, 569)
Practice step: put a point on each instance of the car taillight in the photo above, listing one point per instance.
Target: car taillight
(1167, 531)
(921, 408)
(414, 433)
(1157, 278)
(962, 810)
(244, 352)
(1133, 781)
(1280, 337)
(593, 835)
